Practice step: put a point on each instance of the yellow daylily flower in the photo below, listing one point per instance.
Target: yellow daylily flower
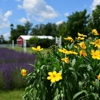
(23, 72)
(66, 60)
(54, 76)
(82, 45)
(37, 49)
(83, 53)
(95, 32)
(63, 51)
(79, 38)
(95, 54)
(69, 38)
(73, 52)
(81, 35)
(98, 77)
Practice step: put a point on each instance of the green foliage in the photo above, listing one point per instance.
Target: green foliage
(77, 22)
(38, 30)
(79, 75)
(33, 41)
(45, 43)
(28, 27)
(11, 95)
(95, 23)
(61, 30)
(15, 33)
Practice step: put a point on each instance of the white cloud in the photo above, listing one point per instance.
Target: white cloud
(66, 14)
(59, 22)
(38, 9)
(94, 4)
(18, 0)
(7, 14)
(4, 22)
(24, 20)
(6, 36)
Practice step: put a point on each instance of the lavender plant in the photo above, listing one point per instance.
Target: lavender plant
(11, 62)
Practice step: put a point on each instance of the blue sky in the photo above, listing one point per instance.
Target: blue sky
(39, 11)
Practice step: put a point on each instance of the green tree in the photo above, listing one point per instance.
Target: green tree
(35, 30)
(54, 30)
(11, 26)
(48, 30)
(61, 29)
(95, 19)
(38, 29)
(28, 27)
(15, 33)
(77, 22)
(21, 30)
(2, 40)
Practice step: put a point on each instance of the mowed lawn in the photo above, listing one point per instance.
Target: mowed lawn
(11, 95)
(28, 49)
(17, 94)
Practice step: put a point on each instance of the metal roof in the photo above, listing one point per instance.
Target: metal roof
(27, 37)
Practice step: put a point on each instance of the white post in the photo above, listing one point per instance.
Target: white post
(25, 46)
(58, 41)
(12, 44)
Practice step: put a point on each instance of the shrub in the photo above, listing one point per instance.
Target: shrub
(33, 41)
(45, 43)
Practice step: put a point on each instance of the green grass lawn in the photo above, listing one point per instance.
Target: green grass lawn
(11, 95)
(28, 49)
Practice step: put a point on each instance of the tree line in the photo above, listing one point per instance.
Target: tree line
(79, 21)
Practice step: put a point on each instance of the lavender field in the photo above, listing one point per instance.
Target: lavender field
(11, 63)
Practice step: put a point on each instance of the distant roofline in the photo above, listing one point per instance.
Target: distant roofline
(27, 37)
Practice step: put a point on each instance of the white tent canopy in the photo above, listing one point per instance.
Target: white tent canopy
(27, 37)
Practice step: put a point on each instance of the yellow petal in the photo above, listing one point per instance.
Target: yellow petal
(34, 48)
(38, 47)
(49, 73)
(53, 80)
(48, 78)
(54, 72)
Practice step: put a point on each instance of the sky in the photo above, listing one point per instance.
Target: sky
(17, 12)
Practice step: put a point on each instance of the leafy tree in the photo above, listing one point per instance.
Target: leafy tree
(28, 27)
(38, 29)
(54, 30)
(21, 30)
(35, 30)
(77, 22)
(2, 39)
(11, 26)
(48, 30)
(15, 33)
(61, 29)
(95, 19)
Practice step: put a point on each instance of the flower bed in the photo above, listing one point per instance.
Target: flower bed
(11, 62)
(71, 72)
